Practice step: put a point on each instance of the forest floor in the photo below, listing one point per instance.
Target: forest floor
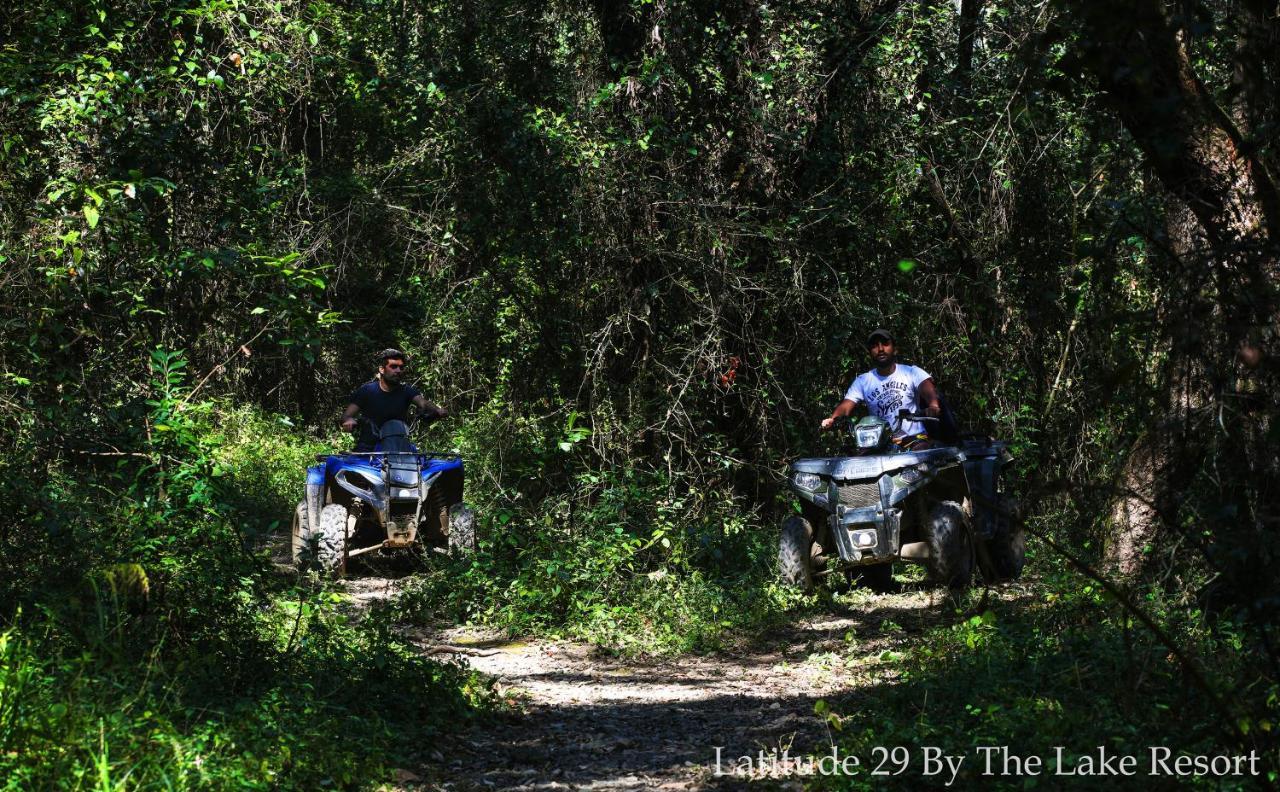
(584, 719)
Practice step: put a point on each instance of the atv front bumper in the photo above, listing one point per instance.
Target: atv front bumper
(866, 535)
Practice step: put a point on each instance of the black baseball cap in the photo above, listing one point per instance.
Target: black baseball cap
(880, 332)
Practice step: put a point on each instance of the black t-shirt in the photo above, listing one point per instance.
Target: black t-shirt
(380, 406)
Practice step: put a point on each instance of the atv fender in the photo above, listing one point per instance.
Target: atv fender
(375, 495)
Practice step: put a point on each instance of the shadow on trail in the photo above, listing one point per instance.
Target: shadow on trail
(636, 745)
(883, 619)
(602, 723)
(660, 677)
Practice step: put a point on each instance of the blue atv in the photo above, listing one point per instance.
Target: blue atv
(394, 497)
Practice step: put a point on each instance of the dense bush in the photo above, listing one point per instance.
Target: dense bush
(623, 564)
(153, 644)
(1056, 667)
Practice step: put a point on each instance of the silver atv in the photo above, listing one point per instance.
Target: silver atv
(893, 498)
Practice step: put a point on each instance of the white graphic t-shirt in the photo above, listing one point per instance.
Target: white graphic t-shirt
(885, 396)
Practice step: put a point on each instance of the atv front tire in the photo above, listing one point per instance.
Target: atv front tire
(795, 553)
(950, 551)
(462, 529)
(326, 548)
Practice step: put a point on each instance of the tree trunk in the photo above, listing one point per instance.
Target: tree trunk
(1255, 70)
(1222, 284)
(970, 10)
(1142, 63)
(1162, 461)
(622, 32)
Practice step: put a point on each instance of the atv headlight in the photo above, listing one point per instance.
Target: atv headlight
(809, 482)
(909, 475)
(398, 492)
(868, 436)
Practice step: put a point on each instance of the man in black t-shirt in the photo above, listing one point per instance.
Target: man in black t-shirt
(385, 398)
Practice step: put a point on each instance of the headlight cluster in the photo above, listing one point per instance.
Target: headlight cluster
(868, 436)
(809, 482)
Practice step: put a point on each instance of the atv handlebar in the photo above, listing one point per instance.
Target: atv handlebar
(903, 415)
(424, 419)
(418, 418)
(907, 416)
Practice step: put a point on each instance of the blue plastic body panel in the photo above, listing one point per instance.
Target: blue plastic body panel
(430, 463)
(336, 462)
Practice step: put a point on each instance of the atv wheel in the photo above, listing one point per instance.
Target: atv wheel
(795, 553)
(1007, 550)
(462, 529)
(326, 548)
(950, 552)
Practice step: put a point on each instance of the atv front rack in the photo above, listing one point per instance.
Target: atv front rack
(429, 454)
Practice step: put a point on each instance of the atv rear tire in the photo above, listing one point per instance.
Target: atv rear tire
(1007, 550)
(462, 529)
(950, 551)
(326, 548)
(795, 553)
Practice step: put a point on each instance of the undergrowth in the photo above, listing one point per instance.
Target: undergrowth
(328, 704)
(1059, 672)
(624, 577)
(147, 641)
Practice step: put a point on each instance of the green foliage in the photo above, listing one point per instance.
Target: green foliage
(619, 564)
(259, 460)
(68, 720)
(1058, 665)
(161, 651)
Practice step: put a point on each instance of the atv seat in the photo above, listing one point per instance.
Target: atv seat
(947, 430)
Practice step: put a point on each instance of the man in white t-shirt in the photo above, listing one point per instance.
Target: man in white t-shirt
(889, 388)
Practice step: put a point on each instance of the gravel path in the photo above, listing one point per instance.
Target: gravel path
(585, 720)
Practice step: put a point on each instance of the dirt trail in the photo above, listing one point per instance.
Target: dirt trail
(590, 721)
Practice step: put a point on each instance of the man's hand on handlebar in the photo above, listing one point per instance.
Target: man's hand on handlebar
(431, 416)
(842, 412)
(348, 424)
